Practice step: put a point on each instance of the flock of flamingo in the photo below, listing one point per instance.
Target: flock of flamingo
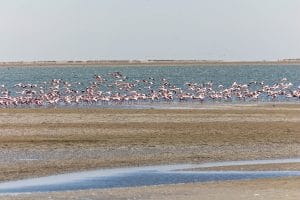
(117, 89)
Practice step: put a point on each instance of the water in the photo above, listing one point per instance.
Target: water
(177, 75)
(143, 176)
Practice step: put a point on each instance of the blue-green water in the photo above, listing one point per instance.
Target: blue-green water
(219, 74)
(176, 75)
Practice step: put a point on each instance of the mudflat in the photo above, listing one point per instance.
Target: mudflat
(38, 142)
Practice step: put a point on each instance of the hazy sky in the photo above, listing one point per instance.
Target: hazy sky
(149, 29)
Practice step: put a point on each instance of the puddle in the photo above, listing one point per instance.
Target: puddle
(142, 176)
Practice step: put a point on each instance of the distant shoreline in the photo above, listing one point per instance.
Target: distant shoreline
(143, 63)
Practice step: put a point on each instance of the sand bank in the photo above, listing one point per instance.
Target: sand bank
(38, 142)
(107, 63)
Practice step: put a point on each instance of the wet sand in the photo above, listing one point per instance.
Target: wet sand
(38, 142)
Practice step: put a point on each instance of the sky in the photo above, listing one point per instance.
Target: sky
(149, 29)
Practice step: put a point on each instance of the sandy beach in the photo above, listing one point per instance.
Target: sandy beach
(120, 63)
(39, 142)
(150, 100)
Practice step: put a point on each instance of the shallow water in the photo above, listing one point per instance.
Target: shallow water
(143, 176)
(178, 75)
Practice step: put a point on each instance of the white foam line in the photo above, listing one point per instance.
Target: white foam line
(249, 162)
